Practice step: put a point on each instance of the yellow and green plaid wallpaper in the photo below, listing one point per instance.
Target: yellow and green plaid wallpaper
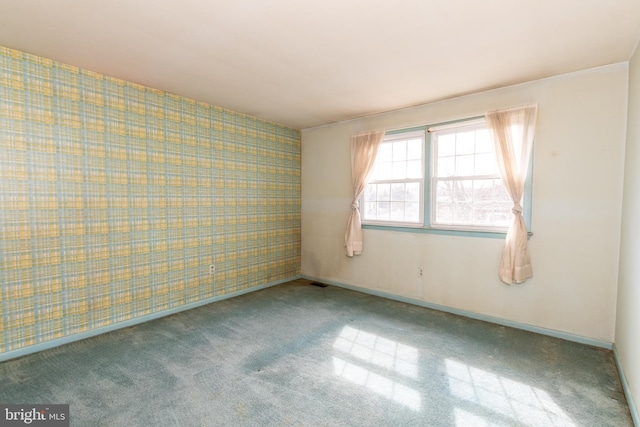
(115, 198)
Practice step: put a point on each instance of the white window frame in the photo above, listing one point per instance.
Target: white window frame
(427, 196)
(391, 137)
(451, 128)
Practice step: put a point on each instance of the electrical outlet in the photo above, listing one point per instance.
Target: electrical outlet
(212, 269)
(420, 272)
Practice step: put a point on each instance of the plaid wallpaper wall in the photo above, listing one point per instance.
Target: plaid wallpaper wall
(115, 198)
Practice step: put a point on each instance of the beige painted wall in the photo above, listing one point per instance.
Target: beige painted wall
(628, 313)
(577, 190)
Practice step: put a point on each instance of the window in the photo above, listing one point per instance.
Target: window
(466, 188)
(443, 178)
(394, 195)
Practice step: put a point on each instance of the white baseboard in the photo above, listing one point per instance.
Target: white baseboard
(625, 387)
(470, 314)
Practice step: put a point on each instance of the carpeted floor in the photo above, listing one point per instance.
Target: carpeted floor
(303, 355)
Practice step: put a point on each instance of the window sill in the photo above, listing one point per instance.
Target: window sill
(441, 231)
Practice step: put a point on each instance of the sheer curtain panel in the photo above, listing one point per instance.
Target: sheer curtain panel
(364, 149)
(513, 131)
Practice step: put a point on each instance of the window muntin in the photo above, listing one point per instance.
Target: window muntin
(395, 192)
(466, 189)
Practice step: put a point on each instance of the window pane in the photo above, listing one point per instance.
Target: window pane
(397, 211)
(383, 192)
(414, 169)
(397, 192)
(486, 164)
(383, 210)
(462, 213)
(464, 165)
(399, 170)
(414, 149)
(445, 191)
(412, 192)
(465, 142)
(446, 166)
(463, 191)
(446, 145)
(412, 211)
(483, 190)
(482, 212)
(399, 150)
(444, 213)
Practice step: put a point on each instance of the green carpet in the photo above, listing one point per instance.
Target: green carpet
(303, 355)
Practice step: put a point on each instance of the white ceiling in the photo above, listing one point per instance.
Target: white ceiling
(307, 63)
